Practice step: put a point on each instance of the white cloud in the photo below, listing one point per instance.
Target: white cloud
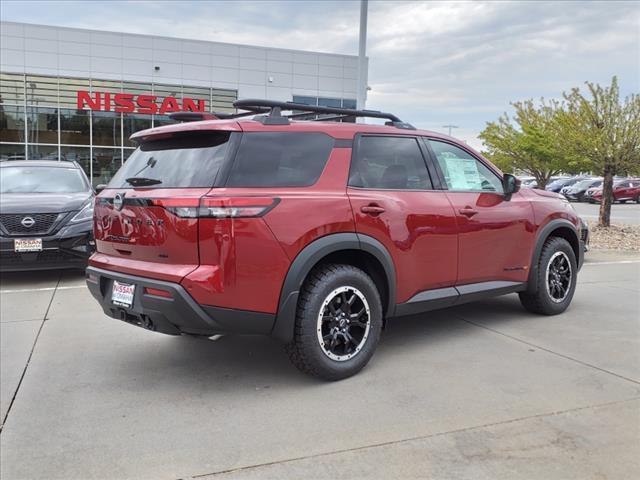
(432, 63)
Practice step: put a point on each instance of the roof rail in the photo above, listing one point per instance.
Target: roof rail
(275, 109)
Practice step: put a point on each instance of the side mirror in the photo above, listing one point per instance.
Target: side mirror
(100, 187)
(510, 184)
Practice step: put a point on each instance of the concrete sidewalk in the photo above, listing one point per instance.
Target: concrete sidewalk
(483, 390)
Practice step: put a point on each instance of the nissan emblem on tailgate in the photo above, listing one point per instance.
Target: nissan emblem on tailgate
(118, 201)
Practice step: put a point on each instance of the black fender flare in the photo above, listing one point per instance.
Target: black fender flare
(543, 234)
(308, 257)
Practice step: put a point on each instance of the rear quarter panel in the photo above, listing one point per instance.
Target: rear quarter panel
(244, 261)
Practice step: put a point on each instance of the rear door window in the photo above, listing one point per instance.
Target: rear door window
(187, 160)
(392, 163)
(280, 159)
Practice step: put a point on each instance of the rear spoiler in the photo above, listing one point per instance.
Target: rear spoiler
(199, 116)
(193, 116)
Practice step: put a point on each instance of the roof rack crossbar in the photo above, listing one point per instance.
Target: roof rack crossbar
(276, 107)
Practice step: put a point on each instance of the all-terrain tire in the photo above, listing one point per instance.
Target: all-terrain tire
(543, 300)
(306, 351)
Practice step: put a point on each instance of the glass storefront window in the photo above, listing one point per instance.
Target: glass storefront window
(106, 162)
(11, 152)
(42, 152)
(348, 103)
(160, 120)
(305, 100)
(11, 123)
(42, 90)
(329, 102)
(42, 125)
(81, 155)
(39, 119)
(68, 89)
(11, 88)
(222, 100)
(74, 127)
(106, 128)
(163, 91)
(132, 124)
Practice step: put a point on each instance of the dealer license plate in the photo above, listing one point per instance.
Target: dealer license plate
(122, 294)
(27, 245)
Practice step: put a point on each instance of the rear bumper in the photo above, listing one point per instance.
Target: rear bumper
(175, 315)
(66, 249)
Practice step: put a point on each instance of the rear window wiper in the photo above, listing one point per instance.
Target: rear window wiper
(142, 181)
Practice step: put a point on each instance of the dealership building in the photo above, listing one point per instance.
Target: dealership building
(75, 94)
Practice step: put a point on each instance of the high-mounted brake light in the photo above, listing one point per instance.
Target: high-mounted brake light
(219, 207)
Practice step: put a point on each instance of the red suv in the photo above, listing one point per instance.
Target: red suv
(317, 232)
(623, 191)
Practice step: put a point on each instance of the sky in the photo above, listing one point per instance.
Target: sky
(430, 63)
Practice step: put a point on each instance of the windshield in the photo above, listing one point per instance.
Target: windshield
(30, 179)
(571, 181)
(557, 182)
(585, 183)
(190, 160)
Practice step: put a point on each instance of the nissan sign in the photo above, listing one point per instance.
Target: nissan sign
(130, 103)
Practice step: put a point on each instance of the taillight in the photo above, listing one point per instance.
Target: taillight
(218, 207)
(236, 207)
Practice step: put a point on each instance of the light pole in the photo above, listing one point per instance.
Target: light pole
(450, 127)
(361, 98)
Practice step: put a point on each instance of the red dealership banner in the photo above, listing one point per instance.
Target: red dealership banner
(130, 103)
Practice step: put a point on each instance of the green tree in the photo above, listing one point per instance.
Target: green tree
(529, 142)
(605, 131)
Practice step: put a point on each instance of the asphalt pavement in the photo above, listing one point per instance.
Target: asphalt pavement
(483, 391)
(628, 213)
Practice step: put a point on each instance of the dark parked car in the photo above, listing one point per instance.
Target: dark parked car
(578, 191)
(46, 215)
(317, 232)
(558, 185)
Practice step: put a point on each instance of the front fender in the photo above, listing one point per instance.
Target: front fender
(559, 225)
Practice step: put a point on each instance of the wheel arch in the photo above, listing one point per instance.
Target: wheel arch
(555, 228)
(359, 250)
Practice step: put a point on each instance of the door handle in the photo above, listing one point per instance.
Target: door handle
(467, 212)
(372, 209)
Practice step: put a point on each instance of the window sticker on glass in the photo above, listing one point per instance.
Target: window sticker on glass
(462, 173)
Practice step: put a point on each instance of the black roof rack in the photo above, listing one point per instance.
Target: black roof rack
(275, 109)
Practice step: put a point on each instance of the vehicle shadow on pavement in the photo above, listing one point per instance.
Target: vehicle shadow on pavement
(440, 325)
(234, 363)
(230, 363)
(36, 279)
(26, 279)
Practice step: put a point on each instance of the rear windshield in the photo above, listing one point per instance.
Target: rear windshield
(42, 180)
(280, 159)
(190, 160)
